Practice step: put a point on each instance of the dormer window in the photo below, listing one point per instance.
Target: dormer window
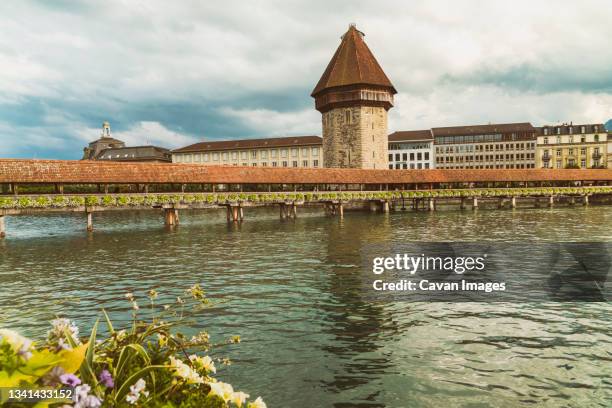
(546, 131)
(582, 129)
(558, 130)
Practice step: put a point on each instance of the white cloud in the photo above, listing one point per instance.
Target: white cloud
(451, 61)
(303, 122)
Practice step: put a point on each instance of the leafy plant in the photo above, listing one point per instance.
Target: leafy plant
(145, 364)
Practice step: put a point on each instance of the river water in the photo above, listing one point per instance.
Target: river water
(291, 291)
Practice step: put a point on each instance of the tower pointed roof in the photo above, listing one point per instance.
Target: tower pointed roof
(353, 64)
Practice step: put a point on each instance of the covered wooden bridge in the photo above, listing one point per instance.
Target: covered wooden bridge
(28, 186)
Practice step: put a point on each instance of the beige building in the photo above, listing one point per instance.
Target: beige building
(295, 151)
(353, 96)
(493, 146)
(572, 146)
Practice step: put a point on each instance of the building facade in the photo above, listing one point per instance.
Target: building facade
(411, 150)
(353, 96)
(109, 148)
(493, 146)
(572, 146)
(296, 151)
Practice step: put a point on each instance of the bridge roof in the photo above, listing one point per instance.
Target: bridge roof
(85, 171)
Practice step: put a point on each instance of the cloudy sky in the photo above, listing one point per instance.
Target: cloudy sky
(172, 73)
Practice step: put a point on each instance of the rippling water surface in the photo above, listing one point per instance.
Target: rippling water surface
(291, 291)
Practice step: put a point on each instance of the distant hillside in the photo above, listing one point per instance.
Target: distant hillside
(608, 125)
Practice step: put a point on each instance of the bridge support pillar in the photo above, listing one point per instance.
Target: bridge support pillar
(432, 204)
(2, 227)
(235, 213)
(551, 201)
(385, 206)
(89, 221)
(294, 211)
(462, 205)
(341, 210)
(585, 199)
(474, 203)
(171, 216)
(513, 202)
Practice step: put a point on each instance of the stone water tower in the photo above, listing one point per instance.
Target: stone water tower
(353, 96)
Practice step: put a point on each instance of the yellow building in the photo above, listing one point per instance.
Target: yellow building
(571, 146)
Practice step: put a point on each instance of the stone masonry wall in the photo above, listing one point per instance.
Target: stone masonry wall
(355, 137)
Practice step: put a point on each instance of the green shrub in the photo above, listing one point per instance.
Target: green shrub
(92, 201)
(137, 200)
(211, 198)
(43, 202)
(76, 201)
(123, 201)
(108, 201)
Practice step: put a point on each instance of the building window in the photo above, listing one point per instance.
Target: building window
(284, 153)
(304, 163)
(253, 154)
(264, 154)
(254, 164)
(273, 153)
(295, 163)
(419, 156)
(294, 152)
(390, 157)
(597, 138)
(225, 156)
(558, 164)
(264, 164)
(234, 155)
(285, 164)
(274, 164)
(315, 151)
(315, 163)
(397, 157)
(558, 152)
(243, 155)
(583, 163)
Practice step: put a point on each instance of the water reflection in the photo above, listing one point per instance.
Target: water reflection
(292, 290)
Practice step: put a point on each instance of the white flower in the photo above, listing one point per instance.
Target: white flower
(129, 296)
(135, 391)
(21, 345)
(203, 362)
(238, 398)
(258, 403)
(185, 372)
(58, 332)
(222, 390)
(135, 305)
(82, 398)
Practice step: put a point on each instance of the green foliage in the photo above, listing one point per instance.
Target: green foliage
(137, 200)
(76, 201)
(108, 201)
(92, 201)
(211, 198)
(123, 201)
(144, 364)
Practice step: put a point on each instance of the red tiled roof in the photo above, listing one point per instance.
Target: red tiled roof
(251, 143)
(483, 129)
(410, 135)
(352, 64)
(85, 171)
